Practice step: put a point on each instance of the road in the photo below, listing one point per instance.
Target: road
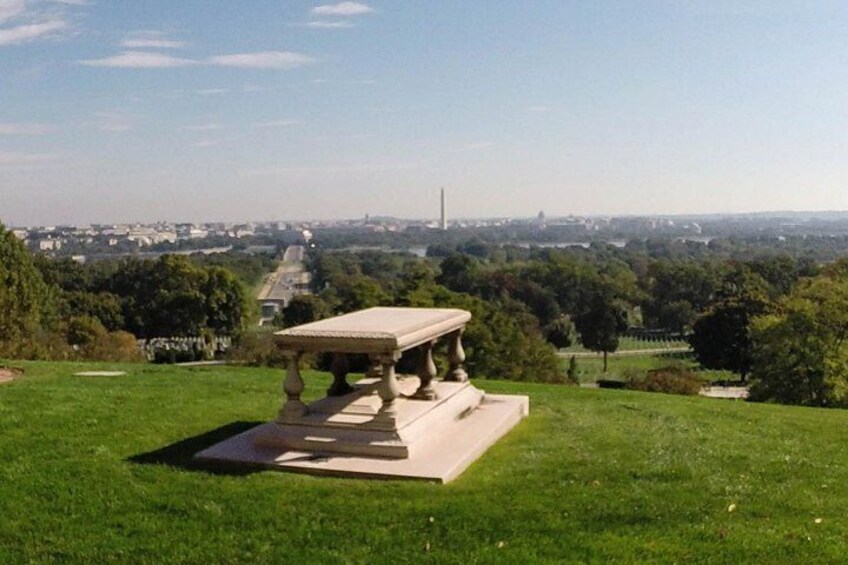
(290, 279)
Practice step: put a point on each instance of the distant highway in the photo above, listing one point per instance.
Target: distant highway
(289, 280)
(294, 254)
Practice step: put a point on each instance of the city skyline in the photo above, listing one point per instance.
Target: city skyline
(112, 112)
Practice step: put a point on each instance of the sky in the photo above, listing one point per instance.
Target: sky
(214, 110)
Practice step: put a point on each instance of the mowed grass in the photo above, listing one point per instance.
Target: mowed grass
(591, 369)
(99, 470)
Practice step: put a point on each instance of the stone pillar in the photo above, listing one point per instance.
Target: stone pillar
(294, 407)
(388, 390)
(375, 370)
(339, 367)
(426, 372)
(456, 357)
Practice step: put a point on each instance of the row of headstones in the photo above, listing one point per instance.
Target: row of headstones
(198, 347)
(653, 336)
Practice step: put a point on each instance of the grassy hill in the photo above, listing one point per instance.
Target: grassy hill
(99, 469)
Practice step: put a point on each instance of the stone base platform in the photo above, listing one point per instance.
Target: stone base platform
(433, 440)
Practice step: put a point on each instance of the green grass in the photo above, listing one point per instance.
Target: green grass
(591, 369)
(98, 470)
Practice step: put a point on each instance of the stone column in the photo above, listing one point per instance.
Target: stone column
(339, 367)
(426, 372)
(456, 357)
(294, 407)
(375, 370)
(388, 390)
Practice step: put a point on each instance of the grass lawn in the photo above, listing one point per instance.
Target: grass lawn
(590, 369)
(99, 470)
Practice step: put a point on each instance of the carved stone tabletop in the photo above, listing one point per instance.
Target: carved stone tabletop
(375, 330)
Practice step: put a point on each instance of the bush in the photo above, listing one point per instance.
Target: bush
(669, 380)
(571, 373)
(112, 346)
(257, 350)
(610, 383)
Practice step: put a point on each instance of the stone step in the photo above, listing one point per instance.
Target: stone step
(432, 418)
(442, 458)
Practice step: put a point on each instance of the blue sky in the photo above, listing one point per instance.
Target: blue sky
(120, 110)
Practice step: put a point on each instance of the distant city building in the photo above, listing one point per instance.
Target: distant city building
(444, 219)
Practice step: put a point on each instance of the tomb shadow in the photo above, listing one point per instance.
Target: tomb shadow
(181, 454)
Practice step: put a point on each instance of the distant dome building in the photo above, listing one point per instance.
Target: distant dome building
(541, 219)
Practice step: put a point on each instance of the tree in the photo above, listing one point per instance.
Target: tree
(24, 298)
(678, 291)
(721, 337)
(172, 297)
(104, 306)
(571, 373)
(83, 330)
(560, 332)
(305, 308)
(800, 352)
(602, 321)
(226, 303)
(459, 273)
(358, 292)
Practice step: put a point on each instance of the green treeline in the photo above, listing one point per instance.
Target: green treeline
(60, 309)
(527, 302)
(779, 321)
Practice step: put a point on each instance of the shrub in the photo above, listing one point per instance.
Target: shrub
(571, 373)
(112, 346)
(670, 380)
(610, 383)
(257, 350)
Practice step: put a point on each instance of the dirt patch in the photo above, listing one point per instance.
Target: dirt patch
(7, 374)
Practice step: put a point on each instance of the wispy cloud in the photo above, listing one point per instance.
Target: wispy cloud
(203, 127)
(203, 143)
(211, 91)
(539, 109)
(14, 158)
(150, 40)
(277, 124)
(139, 60)
(262, 60)
(32, 20)
(25, 129)
(325, 24)
(342, 9)
(30, 32)
(151, 60)
(10, 9)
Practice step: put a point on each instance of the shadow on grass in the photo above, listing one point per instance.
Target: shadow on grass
(181, 454)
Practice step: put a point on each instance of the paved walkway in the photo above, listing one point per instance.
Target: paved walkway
(729, 392)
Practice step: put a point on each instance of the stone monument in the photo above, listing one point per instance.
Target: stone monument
(385, 425)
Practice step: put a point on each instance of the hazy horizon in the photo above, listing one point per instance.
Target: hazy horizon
(116, 112)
